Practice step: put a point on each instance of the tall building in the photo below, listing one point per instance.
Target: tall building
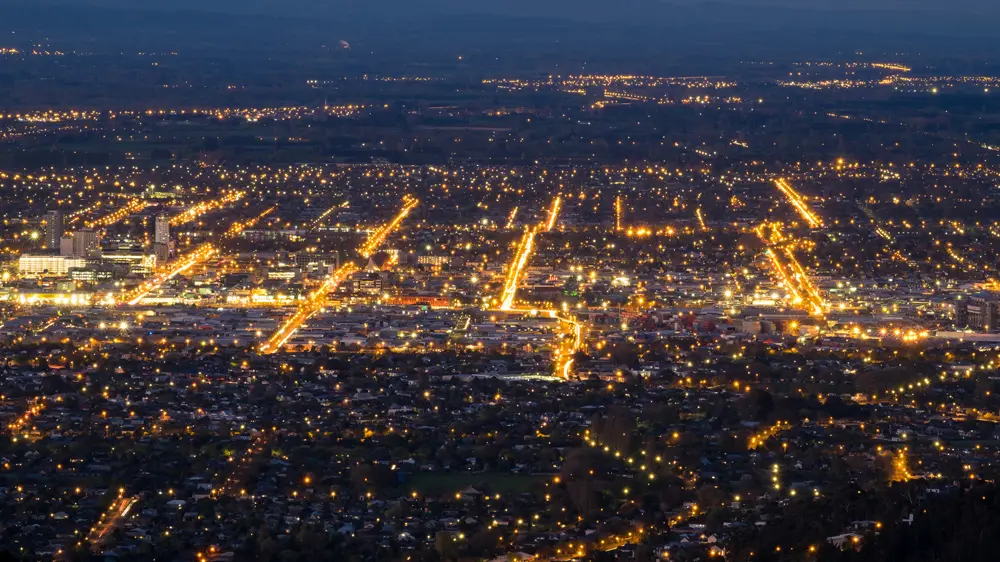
(161, 238)
(85, 244)
(53, 228)
(161, 230)
(66, 246)
(982, 313)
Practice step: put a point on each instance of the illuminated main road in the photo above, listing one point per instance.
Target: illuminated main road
(133, 206)
(523, 255)
(319, 220)
(516, 269)
(788, 271)
(510, 219)
(312, 304)
(568, 346)
(799, 203)
(317, 299)
(116, 513)
(618, 213)
(377, 237)
(553, 217)
(199, 255)
(701, 219)
(193, 212)
(571, 338)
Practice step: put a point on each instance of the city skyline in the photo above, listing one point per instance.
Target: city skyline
(519, 282)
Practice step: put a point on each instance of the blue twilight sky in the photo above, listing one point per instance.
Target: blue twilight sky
(916, 19)
(566, 8)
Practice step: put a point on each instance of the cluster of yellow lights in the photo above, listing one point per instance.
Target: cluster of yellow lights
(564, 353)
(34, 407)
(762, 437)
(199, 255)
(316, 300)
(58, 299)
(618, 213)
(900, 469)
(701, 218)
(238, 227)
(524, 249)
(327, 213)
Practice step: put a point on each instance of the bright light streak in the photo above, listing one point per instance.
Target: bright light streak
(524, 249)
(564, 354)
(130, 208)
(238, 227)
(381, 233)
(317, 298)
(798, 202)
(203, 207)
(510, 219)
(117, 511)
(618, 213)
(806, 284)
(783, 276)
(196, 257)
(791, 274)
(327, 212)
(201, 254)
(550, 223)
(310, 306)
(701, 218)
